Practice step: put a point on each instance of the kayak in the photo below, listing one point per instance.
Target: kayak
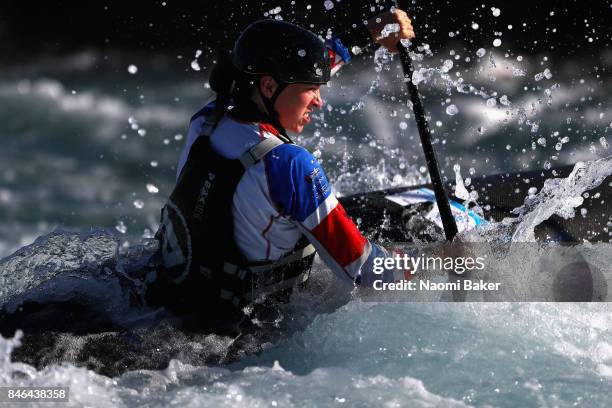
(394, 214)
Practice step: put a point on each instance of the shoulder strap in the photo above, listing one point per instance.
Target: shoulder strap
(257, 152)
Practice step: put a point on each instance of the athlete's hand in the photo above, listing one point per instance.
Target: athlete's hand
(403, 273)
(383, 28)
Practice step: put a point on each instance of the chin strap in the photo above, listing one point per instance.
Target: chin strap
(269, 104)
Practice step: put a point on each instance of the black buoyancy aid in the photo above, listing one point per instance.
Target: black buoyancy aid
(202, 266)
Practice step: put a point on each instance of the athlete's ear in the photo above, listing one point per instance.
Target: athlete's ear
(268, 86)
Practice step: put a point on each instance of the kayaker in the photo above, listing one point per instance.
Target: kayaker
(250, 208)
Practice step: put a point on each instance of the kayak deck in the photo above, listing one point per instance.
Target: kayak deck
(380, 218)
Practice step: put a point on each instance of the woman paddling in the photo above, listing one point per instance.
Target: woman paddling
(250, 208)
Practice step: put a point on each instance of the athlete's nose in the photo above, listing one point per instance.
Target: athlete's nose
(317, 101)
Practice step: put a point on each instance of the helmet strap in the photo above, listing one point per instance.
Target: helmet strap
(269, 104)
(280, 88)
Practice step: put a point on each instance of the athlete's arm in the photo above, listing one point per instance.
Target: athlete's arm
(301, 191)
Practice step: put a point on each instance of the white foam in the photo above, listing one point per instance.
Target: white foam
(559, 196)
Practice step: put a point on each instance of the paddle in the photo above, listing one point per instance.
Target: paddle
(448, 221)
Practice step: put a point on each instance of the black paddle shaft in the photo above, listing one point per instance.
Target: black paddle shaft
(448, 221)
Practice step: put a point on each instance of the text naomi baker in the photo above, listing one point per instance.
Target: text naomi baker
(467, 284)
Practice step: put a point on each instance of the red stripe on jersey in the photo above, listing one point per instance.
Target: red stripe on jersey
(265, 127)
(340, 236)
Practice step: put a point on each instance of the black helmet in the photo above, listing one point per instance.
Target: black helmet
(284, 51)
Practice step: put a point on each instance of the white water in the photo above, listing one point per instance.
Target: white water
(384, 355)
(387, 354)
(559, 196)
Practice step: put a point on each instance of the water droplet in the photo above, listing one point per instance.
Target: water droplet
(497, 42)
(475, 26)
(532, 191)
(447, 66)
(195, 66)
(147, 234)
(496, 11)
(302, 53)
(152, 189)
(328, 4)
(142, 132)
(481, 52)
(403, 125)
(138, 204)
(451, 110)
(121, 227)
(154, 163)
(491, 102)
(132, 69)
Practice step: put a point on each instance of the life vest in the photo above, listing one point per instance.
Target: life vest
(202, 270)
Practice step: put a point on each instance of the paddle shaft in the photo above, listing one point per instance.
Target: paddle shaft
(448, 221)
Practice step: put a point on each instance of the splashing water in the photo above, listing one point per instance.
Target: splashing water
(343, 358)
(559, 196)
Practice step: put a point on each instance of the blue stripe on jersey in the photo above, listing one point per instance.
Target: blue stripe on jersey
(336, 45)
(297, 182)
(205, 111)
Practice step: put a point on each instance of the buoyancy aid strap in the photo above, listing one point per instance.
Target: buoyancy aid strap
(267, 279)
(308, 250)
(257, 152)
(294, 256)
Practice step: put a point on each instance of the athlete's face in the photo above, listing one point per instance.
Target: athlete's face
(295, 103)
